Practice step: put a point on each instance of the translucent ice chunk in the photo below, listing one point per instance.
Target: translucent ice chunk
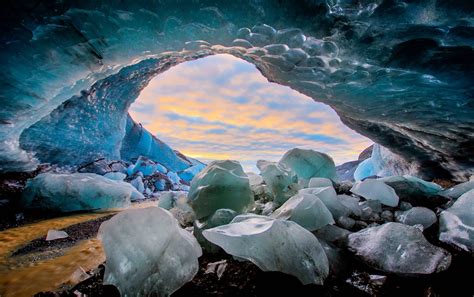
(116, 176)
(417, 215)
(279, 178)
(222, 184)
(147, 253)
(76, 192)
(329, 197)
(458, 190)
(273, 245)
(55, 234)
(306, 210)
(308, 163)
(372, 189)
(189, 173)
(219, 218)
(398, 248)
(456, 224)
(145, 166)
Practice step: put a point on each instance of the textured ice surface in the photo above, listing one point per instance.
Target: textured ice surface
(417, 215)
(397, 89)
(456, 224)
(306, 210)
(222, 184)
(350, 202)
(268, 243)
(280, 180)
(458, 190)
(147, 253)
(219, 218)
(398, 248)
(308, 163)
(372, 189)
(78, 191)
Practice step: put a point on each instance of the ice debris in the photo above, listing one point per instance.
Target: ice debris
(116, 176)
(456, 224)
(147, 253)
(56, 234)
(309, 163)
(281, 181)
(306, 210)
(417, 215)
(268, 243)
(458, 190)
(222, 184)
(398, 248)
(373, 189)
(219, 218)
(76, 192)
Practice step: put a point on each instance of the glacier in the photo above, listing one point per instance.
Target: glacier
(399, 74)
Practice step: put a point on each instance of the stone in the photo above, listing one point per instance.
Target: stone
(456, 224)
(268, 243)
(399, 249)
(77, 192)
(306, 210)
(417, 215)
(309, 163)
(147, 253)
(222, 184)
(373, 189)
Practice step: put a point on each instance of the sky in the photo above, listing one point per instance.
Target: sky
(221, 107)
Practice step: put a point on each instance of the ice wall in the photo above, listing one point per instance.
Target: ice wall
(398, 72)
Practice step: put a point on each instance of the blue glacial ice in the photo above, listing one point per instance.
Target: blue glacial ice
(77, 192)
(73, 70)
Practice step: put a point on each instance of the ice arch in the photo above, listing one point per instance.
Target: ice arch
(390, 69)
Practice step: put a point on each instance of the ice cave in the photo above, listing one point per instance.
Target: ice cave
(95, 203)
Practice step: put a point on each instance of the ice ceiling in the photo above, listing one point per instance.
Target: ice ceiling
(397, 72)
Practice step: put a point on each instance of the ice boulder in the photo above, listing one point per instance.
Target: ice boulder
(417, 215)
(309, 163)
(398, 248)
(116, 176)
(145, 166)
(318, 182)
(222, 184)
(147, 253)
(329, 197)
(273, 245)
(415, 190)
(281, 181)
(456, 224)
(306, 210)
(219, 218)
(77, 192)
(372, 189)
(458, 190)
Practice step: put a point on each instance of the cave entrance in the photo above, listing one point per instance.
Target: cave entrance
(222, 107)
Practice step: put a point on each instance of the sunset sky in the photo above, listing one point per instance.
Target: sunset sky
(221, 107)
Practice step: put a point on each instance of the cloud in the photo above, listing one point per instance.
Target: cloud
(221, 107)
